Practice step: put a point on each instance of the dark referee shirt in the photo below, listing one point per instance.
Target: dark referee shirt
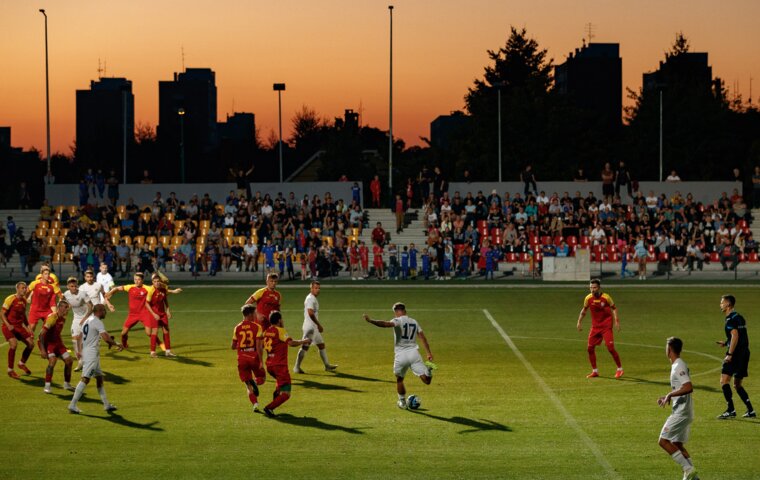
(736, 321)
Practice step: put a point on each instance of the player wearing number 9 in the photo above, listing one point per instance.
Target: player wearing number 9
(407, 355)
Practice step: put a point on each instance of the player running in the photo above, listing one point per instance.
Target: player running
(15, 328)
(675, 432)
(737, 358)
(603, 312)
(247, 340)
(276, 342)
(312, 329)
(159, 303)
(52, 347)
(82, 307)
(267, 300)
(42, 295)
(139, 311)
(93, 330)
(407, 355)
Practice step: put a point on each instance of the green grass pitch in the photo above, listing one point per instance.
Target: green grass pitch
(486, 415)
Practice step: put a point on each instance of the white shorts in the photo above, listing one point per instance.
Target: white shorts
(76, 328)
(91, 367)
(676, 429)
(311, 331)
(406, 359)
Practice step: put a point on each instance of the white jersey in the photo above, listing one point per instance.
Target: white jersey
(679, 376)
(92, 292)
(106, 280)
(405, 330)
(312, 303)
(91, 331)
(78, 302)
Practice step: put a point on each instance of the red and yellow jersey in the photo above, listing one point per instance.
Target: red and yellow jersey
(601, 308)
(53, 327)
(276, 346)
(137, 297)
(14, 309)
(245, 335)
(267, 301)
(43, 295)
(53, 279)
(157, 299)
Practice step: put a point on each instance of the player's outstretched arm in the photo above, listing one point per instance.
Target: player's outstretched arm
(107, 297)
(426, 345)
(110, 341)
(377, 323)
(298, 343)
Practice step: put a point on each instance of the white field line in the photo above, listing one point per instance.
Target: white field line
(593, 447)
(330, 310)
(467, 286)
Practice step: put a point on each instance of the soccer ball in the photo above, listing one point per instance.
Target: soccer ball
(413, 402)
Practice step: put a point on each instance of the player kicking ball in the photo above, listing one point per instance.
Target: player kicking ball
(93, 331)
(276, 342)
(407, 355)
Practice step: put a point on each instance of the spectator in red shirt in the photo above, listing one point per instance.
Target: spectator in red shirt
(399, 210)
(378, 234)
(374, 187)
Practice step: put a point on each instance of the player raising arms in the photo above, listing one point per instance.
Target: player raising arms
(82, 307)
(407, 355)
(42, 295)
(51, 346)
(93, 330)
(276, 342)
(247, 340)
(267, 300)
(15, 328)
(139, 311)
(312, 329)
(603, 312)
(159, 303)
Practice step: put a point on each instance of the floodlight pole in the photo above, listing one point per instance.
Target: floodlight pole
(390, 113)
(47, 89)
(279, 87)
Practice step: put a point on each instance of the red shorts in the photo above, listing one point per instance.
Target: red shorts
(249, 366)
(37, 315)
(18, 331)
(378, 262)
(145, 317)
(596, 335)
(279, 373)
(56, 348)
(163, 320)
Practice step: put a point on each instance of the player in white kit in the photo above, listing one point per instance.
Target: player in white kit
(105, 280)
(407, 355)
(312, 329)
(93, 331)
(81, 307)
(675, 432)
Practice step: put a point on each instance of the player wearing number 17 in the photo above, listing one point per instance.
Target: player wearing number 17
(246, 339)
(407, 355)
(603, 312)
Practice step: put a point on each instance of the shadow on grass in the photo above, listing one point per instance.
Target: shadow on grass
(323, 386)
(312, 422)
(704, 388)
(190, 361)
(32, 381)
(481, 425)
(111, 377)
(117, 419)
(349, 376)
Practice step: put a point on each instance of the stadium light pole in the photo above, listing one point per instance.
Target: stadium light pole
(390, 113)
(47, 89)
(181, 114)
(660, 134)
(279, 88)
(499, 86)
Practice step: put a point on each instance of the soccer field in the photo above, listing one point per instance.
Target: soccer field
(509, 400)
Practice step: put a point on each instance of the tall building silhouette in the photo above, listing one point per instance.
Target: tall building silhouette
(194, 93)
(105, 124)
(688, 69)
(592, 77)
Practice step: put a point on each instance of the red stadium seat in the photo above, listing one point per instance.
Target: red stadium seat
(558, 240)
(752, 257)
(525, 257)
(533, 238)
(572, 240)
(510, 257)
(546, 240)
(584, 241)
(715, 257)
(663, 256)
(496, 236)
(482, 228)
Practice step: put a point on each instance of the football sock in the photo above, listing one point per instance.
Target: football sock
(167, 341)
(281, 398)
(11, 358)
(25, 354)
(102, 393)
(153, 341)
(299, 357)
(252, 398)
(77, 394)
(729, 397)
(48, 375)
(592, 357)
(124, 339)
(67, 373)
(680, 459)
(688, 459)
(745, 398)
(615, 357)
(323, 354)
(402, 397)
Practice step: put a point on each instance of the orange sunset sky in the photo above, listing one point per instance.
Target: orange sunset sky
(333, 54)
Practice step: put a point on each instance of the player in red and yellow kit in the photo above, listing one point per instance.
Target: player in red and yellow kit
(15, 328)
(247, 340)
(42, 294)
(159, 303)
(52, 277)
(51, 345)
(276, 342)
(267, 300)
(139, 310)
(603, 313)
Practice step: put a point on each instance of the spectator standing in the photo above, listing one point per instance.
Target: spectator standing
(374, 187)
(756, 188)
(673, 177)
(623, 179)
(24, 198)
(113, 188)
(608, 181)
(580, 176)
(100, 183)
(356, 194)
(241, 181)
(529, 179)
(399, 211)
(424, 180)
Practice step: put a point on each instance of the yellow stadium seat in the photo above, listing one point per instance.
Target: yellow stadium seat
(169, 216)
(127, 239)
(177, 240)
(43, 225)
(228, 232)
(165, 240)
(240, 240)
(151, 240)
(205, 224)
